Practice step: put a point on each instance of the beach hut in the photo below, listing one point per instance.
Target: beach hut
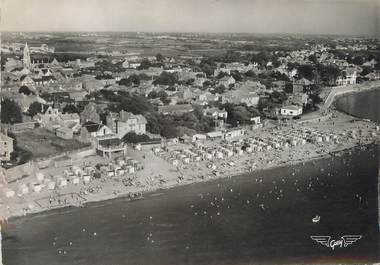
(37, 187)
(67, 173)
(61, 182)
(208, 156)
(130, 169)
(9, 193)
(186, 160)
(119, 172)
(219, 155)
(75, 180)
(23, 189)
(51, 185)
(86, 179)
(40, 177)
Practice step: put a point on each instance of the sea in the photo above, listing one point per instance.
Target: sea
(265, 217)
(363, 105)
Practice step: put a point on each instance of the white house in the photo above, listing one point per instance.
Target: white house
(125, 122)
(291, 110)
(348, 77)
(216, 113)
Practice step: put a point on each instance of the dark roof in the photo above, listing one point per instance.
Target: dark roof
(110, 142)
(92, 126)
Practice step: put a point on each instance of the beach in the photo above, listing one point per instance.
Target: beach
(264, 217)
(159, 174)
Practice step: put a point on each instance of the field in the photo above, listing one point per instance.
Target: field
(42, 143)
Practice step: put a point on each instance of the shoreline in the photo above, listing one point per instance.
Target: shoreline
(349, 90)
(146, 193)
(200, 178)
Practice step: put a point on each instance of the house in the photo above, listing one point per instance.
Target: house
(278, 85)
(27, 81)
(231, 134)
(216, 113)
(52, 119)
(6, 147)
(373, 75)
(348, 77)
(291, 110)
(241, 96)
(371, 63)
(77, 95)
(226, 81)
(45, 80)
(90, 113)
(300, 84)
(91, 130)
(91, 84)
(175, 109)
(47, 117)
(298, 99)
(125, 122)
(256, 120)
(64, 133)
(68, 119)
(250, 100)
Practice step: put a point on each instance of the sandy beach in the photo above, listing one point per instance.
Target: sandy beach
(337, 131)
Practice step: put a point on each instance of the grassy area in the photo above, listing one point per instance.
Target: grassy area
(42, 143)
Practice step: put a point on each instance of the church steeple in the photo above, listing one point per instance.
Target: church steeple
(26, 59)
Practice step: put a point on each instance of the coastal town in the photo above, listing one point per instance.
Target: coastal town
(90, 117)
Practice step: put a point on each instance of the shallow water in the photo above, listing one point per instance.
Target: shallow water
(264, 217)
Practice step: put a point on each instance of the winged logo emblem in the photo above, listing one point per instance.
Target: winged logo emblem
(343, 242)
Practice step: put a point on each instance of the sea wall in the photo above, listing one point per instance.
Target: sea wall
(30, 168)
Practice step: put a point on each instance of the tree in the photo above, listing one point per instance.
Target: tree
(145, 64)
(163, 97)
(166, 79)
(208, 66)
(70, 108)
(238, 115)
(219, 89)
(306, 71)
(237, 76)
(313, 58)
(10, 112)
(329, 73)
(222, 74)
(250, 73)
(131, 80)
(35, 108)
(25, 90)
(288, 88)
(358, 60)
(207, 83)
(159, 57)
(134, 138)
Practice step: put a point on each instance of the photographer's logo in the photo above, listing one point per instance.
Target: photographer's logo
(343, 242)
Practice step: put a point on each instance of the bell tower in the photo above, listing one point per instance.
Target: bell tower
(26, 59)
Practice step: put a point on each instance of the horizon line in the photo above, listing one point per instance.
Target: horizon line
(191, 32)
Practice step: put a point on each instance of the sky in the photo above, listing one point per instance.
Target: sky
(348, 17)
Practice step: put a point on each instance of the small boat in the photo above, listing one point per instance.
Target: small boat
(316, 219)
